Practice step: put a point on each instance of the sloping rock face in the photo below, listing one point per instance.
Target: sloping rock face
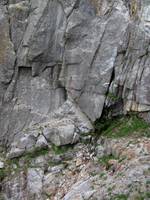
(68, 60)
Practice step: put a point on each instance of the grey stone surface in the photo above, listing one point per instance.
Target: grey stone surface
(80, 190)
(122, 171)
(1, 165)
(34, 183)
(61, 133)
(25, 144)
(70, 60)
(41, 142)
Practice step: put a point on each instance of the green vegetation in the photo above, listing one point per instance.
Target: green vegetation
(61, 149)
(49, 196)
(12, 165)
(102, 174)
(148, 182)
(139, 196)
(120, 197)
(27, 159)
(1, 197)
(105, 160)
(122, 126)
(2, 174)
(142, 196)
(93, 173)
(113, 97)
(110, 189)
(36, 153)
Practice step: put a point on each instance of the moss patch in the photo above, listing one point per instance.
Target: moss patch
(36, 153)
(113, 97)
(2, 174)
(123, 126)
(120, 197)
(61, 149)
(13, 166)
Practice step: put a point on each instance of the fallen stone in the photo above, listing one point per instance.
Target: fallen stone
(62, 134)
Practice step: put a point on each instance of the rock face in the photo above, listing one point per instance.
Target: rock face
(62, 62)
(71, 59)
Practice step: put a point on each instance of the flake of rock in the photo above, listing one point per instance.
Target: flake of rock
(80, 188)
(41, 142)
(15, 153)
(56, 169)
(34, 182)
(1, 165)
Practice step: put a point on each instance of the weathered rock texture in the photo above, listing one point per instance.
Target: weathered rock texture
(78, 174)
(63, 61)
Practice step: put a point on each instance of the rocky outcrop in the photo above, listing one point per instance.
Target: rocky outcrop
(92, 54)
(62, 63)
(84, 171)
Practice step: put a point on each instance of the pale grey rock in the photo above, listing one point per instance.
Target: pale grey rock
(65, 57)
(81, 189)
(41, 142)
(56, 169)
(51, 183)
(34, 183)
(100, 151)
(62, 63)
(40, 161)
(60, 49)
(80, 177)
(1, 165)
(73, 112)
(43, 40)
(18, 13)
(23, 145)
(14, 187)
(15, 153)
(7, 54)
(61, 133)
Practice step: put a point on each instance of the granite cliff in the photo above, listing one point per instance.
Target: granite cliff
(63, 63)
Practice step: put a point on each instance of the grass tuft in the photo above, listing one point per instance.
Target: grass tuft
(61, 149)
(120, 197)
(105, 160)
(123, 126)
